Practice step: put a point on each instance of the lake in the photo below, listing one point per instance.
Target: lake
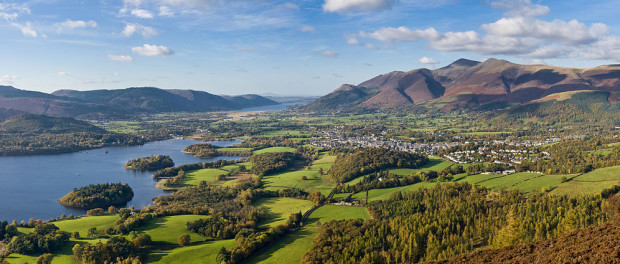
(31, 186)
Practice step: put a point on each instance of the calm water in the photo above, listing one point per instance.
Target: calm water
(31, 186)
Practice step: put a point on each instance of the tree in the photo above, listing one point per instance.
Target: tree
(92, 232)
(222, 255)
(317, 198)
(184, 240)
(45, 258)
(141, 241)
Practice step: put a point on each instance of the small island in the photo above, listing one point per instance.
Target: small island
(150, 163)
(98, 196)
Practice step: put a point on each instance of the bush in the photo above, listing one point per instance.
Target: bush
(184, 240)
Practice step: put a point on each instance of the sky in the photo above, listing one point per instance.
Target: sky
(302, 47)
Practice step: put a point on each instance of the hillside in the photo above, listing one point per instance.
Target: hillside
(34, 124)
(28, 134)
(122, 102)
(466, 84)
(597, 244)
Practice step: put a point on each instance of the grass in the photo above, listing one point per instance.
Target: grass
(199, 253)
(590, 183)
(193, 178)
(278, 209)
(291, 248)
(274, 149)
(65, 255)
(382, 194)
(294, 178)
(167, 229)
(336, 212)
(84, 223)
(498, 181)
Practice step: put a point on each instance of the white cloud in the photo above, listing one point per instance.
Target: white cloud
(8, 79)
(288, 5)
(152, 50)
(329, 54)
(75, 24)
(8, 17)
(132, 28)
(64, 74)
(356, 5)
(390, 34)
(141, 13)
(519, 34)
(202, 4)
(122, 58)
(351, 39)
(427, 60)
(370, 46)
(521, 8)
(568, 32)
(27, 29)
(20, 8)
(308, 29)
(166, 11)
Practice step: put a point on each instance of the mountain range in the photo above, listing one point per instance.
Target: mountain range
(469, 84)
(120, 102)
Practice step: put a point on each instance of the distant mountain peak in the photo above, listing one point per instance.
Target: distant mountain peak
(464, 62)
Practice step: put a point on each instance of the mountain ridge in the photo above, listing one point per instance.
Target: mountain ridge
(122, 102)
(468, 83)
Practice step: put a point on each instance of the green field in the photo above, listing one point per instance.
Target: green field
(65, 255)
(294, 178)
(382, 194)
(280, 208)
(274, 149)
(193, 178)
(292, 248)
(201, 253)
(167, 229)
(591, 182)
(498, 181)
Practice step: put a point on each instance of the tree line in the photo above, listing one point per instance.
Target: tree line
(448, 220)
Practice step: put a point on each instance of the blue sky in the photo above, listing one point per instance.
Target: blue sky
(304, 47)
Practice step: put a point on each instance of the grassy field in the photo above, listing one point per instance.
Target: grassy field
(193, 178)
(166, 230)
(293, 178)
(274, 149)
(204, 252)
(498, 181)
(382, 194)
(278, 209)
(292, 248)
(65, 255)
(591, 182)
